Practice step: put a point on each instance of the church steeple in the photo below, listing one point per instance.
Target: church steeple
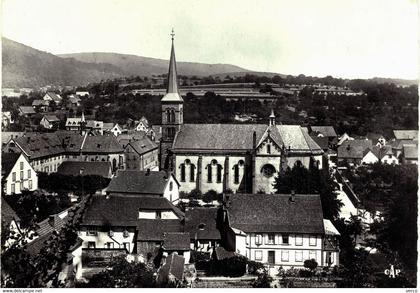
(172, 112)
(172, 92)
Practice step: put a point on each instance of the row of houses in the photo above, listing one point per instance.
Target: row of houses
(403, 149)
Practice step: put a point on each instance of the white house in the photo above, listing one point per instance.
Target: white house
(17, 173)
(51, 96)
(343, 138)
(49, 121)
(143, 125)
(82, 94)
(135, 225)
(156, 183)
(369, 157)
(116, 130)
(281, 230)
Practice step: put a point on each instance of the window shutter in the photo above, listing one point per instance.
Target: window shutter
(266, 238)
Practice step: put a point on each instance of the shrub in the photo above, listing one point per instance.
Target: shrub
(305, 273)
(310, 264)
(229, 267)
(195, 194)
(263, 280)
(199, 256)
(254, 267)
(210, 195)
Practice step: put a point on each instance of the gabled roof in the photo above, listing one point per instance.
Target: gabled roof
(195, 217)
(123, 210)
(73, 121)
(102, 144)
(174, 266)
(176, 241)
(327, 131)
(154, 230)
(8, 160)
(143, 145)
(276, 213)
(353, 149)
(406, 134)
(54, 96)
(322, 142)
(7, 213)
(239, 137)
(410, 152)
(108, 125)
(139, 182)
(399, 143)
(73, 168)
(36, 103)
(27, 110)
(374, 136)
(51, 118)
(7, 135)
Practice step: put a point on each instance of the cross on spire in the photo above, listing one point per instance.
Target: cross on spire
(172, 34)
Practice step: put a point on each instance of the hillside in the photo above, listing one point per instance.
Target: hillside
(24, 66)
(145, 66)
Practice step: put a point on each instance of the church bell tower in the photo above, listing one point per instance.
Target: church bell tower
(172, 112)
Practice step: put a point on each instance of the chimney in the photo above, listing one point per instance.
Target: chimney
(51, 220)
(292, 196)
(254, 140)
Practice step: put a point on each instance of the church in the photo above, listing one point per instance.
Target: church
(239, 157)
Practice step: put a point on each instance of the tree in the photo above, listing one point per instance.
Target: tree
(123, 274)
(308, 181)
(310, 264)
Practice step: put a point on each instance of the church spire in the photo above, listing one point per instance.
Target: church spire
(172, 92)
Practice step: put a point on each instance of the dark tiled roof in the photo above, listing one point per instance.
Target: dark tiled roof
(276, 213)
(240, 137)
(174, 265)
(51, 118)
(7, 135)
(129, 181)
(353, 149)
(90, 168)
(374, 136)
(176, 241)
(8, 160)
(47, 226)
(27, 109)
(102, 144)
(40, 144)
(153, 229)
(40, 103)
(327, 131)
(123, 210)
(7, 213)
(199, 215)
(54, 96)
(399, 143)
(410, 152)
(321, 141)
(143, 145)
(406, 134)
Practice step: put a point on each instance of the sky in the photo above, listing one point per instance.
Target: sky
(342, 38)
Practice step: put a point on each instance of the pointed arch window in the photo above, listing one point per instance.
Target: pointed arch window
(192, 172)
(236, 174)
(182, 167)
(219, 173)
(209, 173)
